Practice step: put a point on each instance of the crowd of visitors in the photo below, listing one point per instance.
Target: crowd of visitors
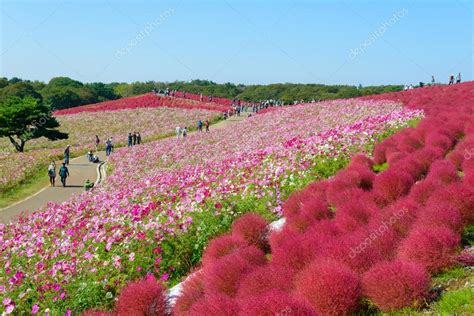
(451, 80)
(134, 139)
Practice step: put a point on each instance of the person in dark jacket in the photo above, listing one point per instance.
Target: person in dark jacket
(63, 173)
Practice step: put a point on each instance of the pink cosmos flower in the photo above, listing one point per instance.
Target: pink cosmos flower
(35, 309)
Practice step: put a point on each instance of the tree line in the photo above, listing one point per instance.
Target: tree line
(63, 92)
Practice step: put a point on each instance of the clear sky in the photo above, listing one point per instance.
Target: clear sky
(239, 41)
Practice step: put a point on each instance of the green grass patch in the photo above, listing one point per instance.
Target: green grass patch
(459, 302)
(380, 167)
(448, 275)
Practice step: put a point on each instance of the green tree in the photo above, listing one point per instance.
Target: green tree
(19, 89)
(64, 82)
(23, 119)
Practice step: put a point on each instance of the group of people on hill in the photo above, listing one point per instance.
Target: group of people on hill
(134, 139)
(452, 79)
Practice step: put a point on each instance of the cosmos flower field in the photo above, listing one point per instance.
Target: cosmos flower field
(152, 123)
(78, 255)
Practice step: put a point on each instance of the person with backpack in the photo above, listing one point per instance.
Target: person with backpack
(207, 126)
(52, 173)
(108, 147)
(67, 153)
(63, 173)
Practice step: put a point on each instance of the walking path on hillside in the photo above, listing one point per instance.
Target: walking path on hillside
(80, 170)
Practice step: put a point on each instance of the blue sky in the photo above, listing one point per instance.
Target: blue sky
(246, 41)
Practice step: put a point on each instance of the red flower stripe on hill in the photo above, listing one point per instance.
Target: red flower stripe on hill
(148, 100)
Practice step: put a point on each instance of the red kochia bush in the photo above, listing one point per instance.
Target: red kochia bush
(432, 247)
(215, 304)
(401, 215)
(295, 252)
(356, 213)
(275, 302)
(193, 290)
(224, 275)
(458, 195)
(440, 215)
(397, 284)
(144, 297)
(250, 228)
(443, 171)
(423, 190)
(220, 247)
(391, 185)
(330, 287)
(305, 207)
(264, 279)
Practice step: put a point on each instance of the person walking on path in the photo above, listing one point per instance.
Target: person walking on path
(63, 173)
(451, 79)
(97, 142)
(178, 131)
(139, 138)
(52, 173)
(185, 132)
(67, 153)
(433, 80)
(134, 138)
(207, 126)
(129, 139)
(108, 147)
(200, 126)
(458, 78)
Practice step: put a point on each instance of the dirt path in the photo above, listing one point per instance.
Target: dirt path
(80, 170)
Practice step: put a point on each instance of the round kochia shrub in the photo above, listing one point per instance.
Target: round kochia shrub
(251, 229)
(215, 304)
(443, 171)
(193, 290)
(144, 297)
(460, 196)
(391, 185)
(220, 247)
(275, 302)
(330, 287)
(432, 247)
(397, 284)
(224, 275)
(264, 279)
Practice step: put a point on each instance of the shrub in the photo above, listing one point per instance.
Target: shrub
(422, 191)
(192, 291)
(391, 185)
(443, 171)
(458, 195)
(401, 215)
(312, 209)
(356, 213)
(277, 239)
(339, 195)
(330, 287)
(144, 297)
(364, 175)
(295, 252)
(215, 304)
(220, 247)
(224, 275)
(396, 284)
(395, 157)
(440, 215)
(432, 247)
(251, 229)
(264, 279)
(292, 205)
(361, 160)
(355, 250)
(275, 302)
(439, 140)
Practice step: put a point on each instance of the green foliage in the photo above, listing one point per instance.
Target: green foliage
(20, 90)
(444, 277)
(459, 302)
(22, 119)
(380, 167)
(64, 92)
